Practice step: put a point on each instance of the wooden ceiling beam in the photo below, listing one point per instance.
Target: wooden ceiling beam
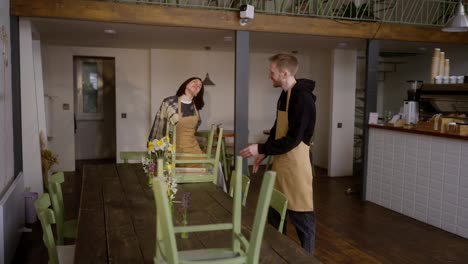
(147, 14)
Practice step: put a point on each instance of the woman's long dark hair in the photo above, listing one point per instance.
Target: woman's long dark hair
(197, 100)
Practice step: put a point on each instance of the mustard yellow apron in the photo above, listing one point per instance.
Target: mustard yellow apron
(294, 171)
(185, 135)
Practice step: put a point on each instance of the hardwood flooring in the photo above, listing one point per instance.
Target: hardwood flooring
(348, 229)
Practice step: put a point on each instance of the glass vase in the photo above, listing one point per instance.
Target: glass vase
(184, 235)
(150, 179)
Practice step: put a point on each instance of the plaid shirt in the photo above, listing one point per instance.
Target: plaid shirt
(167, 111)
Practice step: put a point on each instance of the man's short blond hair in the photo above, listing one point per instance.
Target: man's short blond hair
(285, 61)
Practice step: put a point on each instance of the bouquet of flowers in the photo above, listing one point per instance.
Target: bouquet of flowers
(160, 149)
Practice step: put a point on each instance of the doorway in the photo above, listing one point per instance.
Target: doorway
(95, 124)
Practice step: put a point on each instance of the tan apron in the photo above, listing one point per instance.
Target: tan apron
(185, 135)
(294, 172)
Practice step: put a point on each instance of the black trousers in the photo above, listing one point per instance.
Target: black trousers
(304, 222)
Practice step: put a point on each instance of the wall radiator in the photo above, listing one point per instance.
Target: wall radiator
(12, 213)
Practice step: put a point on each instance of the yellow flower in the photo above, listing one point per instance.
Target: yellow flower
(169, 166)
(171, 148)
(166, 138)
(160, 144)
(150, 146)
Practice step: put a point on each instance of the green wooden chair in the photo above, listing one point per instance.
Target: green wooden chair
(279, 202)
(64, 228)
(241, 251)
(225, 157)
(57, 254)
(245, 187)
(132, 155)
(209, 170)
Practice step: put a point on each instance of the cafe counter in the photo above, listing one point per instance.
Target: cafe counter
(421, 174)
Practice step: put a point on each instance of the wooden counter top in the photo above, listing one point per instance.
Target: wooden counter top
(418, 131)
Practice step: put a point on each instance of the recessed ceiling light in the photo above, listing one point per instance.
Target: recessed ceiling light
(110, 31)
(342, 44)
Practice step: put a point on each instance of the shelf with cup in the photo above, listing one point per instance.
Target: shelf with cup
(453, 86)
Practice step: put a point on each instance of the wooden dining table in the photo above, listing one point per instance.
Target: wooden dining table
(116, 222)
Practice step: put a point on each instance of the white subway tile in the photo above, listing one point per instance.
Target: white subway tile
(437, 167)
(452, 171)
(449, 208)
(420, 199)
(463, 202)
(450, 198)
(435, 194)
(437, 176)
(449, 218)
(423, 172)
(422, 181)
(421, 216)
(451, 159)
(436, 185)
(451, 189)
(464, 150)
(424, 155)
(463, 232)
(435, 221)
(431, 212)
(462, 212)
(463, 192)
(463, 222)
(453, 148)
(438, 146)
(434, 204)
(449, 227)
(411, 152)
(437, 157)
(464, 182)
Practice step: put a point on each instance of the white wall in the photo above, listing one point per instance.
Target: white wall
(38, 82)
(342, 107)
(132, 97)
(170, 68)
(6, 119)
(148, 76)
(29, 110)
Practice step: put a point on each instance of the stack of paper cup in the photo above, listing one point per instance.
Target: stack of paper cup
(447, 67)
(442, 64)
(435, 64)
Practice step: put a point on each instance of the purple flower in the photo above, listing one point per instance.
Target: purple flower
(185, 203)
(152, 167)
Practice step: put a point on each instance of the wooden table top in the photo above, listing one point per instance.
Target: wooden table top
(116, 222)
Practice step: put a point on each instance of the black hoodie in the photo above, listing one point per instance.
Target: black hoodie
(301, 119)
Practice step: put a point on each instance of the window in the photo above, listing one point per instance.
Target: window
(89, 89)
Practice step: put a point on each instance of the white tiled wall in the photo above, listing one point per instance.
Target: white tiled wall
(420, 176)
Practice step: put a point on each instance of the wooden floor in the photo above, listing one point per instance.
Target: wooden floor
(348, 230)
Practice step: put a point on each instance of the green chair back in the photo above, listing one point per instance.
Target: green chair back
(47, 218)
(245, 187)
(132, 155)
(279, 202)
(242, 251)
(207, 160)
(64, 228)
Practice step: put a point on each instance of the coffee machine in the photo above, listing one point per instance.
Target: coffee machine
(411, 106)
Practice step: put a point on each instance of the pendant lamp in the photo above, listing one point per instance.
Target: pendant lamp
(459, 22)
(207, 81)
